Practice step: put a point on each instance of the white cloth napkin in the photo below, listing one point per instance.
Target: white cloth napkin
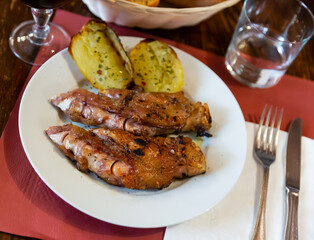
(233, 218)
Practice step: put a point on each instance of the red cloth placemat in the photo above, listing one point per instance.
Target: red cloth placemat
(29, 208)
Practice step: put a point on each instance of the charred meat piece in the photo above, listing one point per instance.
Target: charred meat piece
(184, 156)
(146, 114)
(124, 159)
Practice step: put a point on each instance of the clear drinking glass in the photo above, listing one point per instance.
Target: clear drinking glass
(39, 35)
(268, 37)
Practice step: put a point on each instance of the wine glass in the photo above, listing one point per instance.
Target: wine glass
(30, 37)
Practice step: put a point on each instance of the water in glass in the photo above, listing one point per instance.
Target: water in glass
(249, 56)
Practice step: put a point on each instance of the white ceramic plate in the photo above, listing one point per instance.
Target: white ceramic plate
(181, 201)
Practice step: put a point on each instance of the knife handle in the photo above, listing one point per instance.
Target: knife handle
(292, 219)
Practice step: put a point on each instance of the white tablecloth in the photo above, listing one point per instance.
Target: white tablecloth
(233, 218)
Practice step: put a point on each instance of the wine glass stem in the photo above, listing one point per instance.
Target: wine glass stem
(41, 27)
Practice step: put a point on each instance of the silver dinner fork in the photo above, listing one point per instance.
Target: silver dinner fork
(265, 153)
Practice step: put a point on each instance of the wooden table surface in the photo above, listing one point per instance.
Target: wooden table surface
(212, 35)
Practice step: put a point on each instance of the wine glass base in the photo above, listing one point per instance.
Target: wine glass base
(36, 53)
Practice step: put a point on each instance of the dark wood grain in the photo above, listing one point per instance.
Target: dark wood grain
(212, 35)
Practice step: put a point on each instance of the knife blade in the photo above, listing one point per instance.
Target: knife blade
(293, 173)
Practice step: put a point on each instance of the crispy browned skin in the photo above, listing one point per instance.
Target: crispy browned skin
(124, 159)
(146, 114)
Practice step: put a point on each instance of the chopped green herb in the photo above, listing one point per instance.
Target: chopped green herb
(169, 71)
(139, 75)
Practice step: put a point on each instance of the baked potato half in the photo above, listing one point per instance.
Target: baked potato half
(99, 55)
(156, 67)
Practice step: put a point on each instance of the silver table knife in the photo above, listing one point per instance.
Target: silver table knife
(293, 173)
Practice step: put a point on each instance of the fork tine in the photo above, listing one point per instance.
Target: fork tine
(264, 143)
(259, 131)
(277, 131)
(270, 142)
